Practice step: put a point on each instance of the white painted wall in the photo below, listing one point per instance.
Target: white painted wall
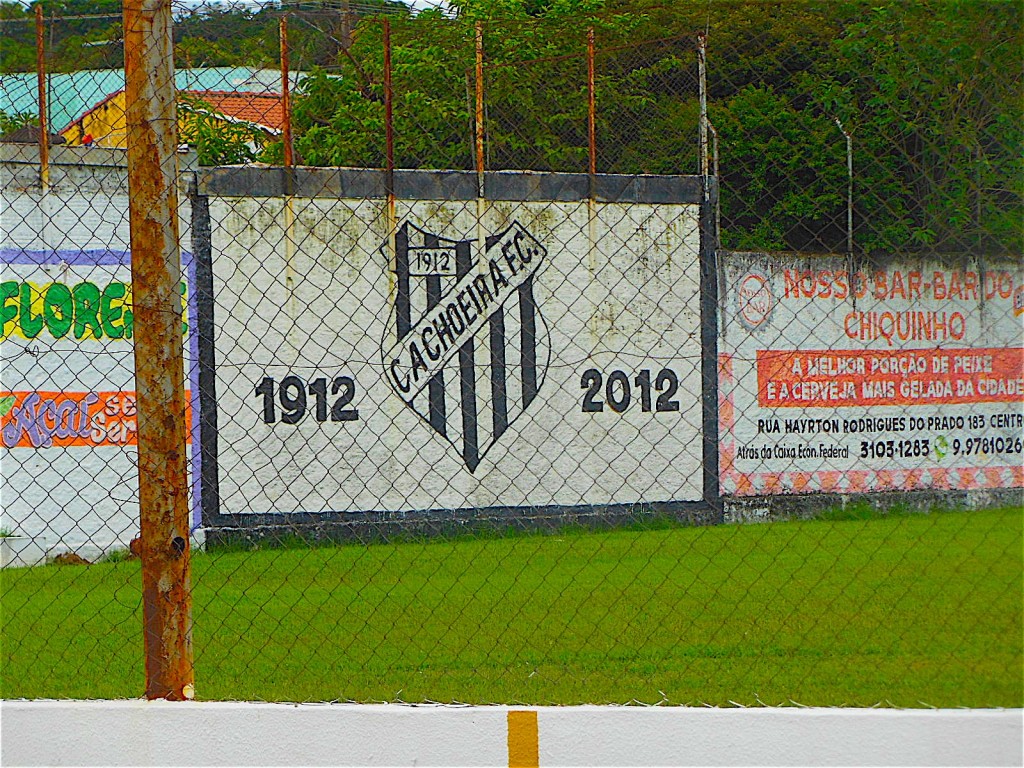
(58, 496)
(235, 733)
(309, 291)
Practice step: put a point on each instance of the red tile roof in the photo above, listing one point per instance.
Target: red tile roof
(265, 109)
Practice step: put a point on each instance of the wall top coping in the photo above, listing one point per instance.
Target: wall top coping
(363, 183)
(61, 155)
(371, 183)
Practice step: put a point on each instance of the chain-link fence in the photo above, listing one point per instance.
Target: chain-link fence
(502, 328)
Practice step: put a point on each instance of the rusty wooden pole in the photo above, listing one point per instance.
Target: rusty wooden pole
(286, 100)
(591, 108)
(44, 129)
(159, 366)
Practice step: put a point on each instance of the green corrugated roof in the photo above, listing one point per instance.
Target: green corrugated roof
(70, 95)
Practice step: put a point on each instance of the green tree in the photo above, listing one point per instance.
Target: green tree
(217, 141)
(17, 38)
(935, 108)
(12, 122)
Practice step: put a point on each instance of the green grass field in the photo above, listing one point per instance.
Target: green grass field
(907, 610)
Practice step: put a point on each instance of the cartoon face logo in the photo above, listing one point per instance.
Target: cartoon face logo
(466, 346)
(754, 300)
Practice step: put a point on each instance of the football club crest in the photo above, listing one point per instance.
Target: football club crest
(466, 346)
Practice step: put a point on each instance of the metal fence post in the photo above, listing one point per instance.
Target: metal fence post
(479, 135)
(289, 170)
(286, 100)
(591, 111)
(702, 75)
(389, 111)
(478, 114)
(389, 147)
(159, 364)
(44, 127)
(849, 187)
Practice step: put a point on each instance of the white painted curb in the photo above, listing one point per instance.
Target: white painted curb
(237, 733)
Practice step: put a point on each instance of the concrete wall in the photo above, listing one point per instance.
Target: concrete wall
(577, 391)
(160, 733)
(312, 289)
(68, 477)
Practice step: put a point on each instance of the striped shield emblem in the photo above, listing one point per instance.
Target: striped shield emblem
(466, 346)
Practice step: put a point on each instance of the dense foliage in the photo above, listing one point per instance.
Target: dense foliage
(216, 141)
(87, 34)
(79, 34)
(929, 94)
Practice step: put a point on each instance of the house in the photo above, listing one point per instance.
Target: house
(71, 95)
(264, 111)
(105, 124)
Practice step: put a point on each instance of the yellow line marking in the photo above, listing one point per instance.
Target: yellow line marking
(523, 740)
